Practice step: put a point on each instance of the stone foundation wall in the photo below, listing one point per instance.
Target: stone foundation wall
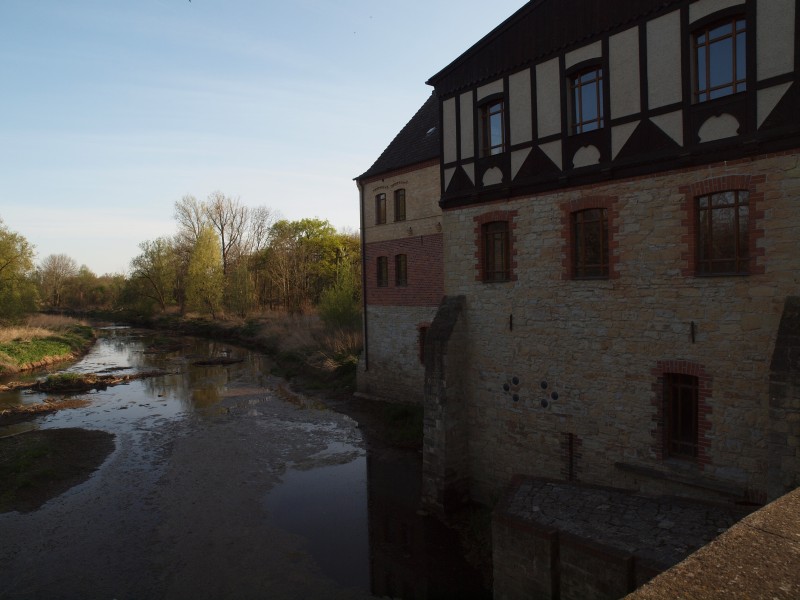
(396, 371)
(550, 355)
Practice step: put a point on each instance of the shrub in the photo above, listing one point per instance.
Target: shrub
(338, 305)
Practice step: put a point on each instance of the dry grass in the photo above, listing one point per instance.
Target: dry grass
(21, 333)
(36, 327)
(52, 322)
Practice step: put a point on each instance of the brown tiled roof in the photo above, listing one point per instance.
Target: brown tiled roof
(417, 142)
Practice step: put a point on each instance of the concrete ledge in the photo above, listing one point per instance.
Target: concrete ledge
(759, 557)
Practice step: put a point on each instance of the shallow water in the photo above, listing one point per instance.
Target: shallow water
(324, 492)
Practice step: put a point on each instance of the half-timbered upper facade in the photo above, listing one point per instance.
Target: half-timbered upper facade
(570, 92)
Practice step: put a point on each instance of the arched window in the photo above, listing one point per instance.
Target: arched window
(492, 128)
(723, 233)
(590, 243)
(586, 100)
(720, 59)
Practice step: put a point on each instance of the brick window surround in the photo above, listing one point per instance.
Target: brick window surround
(480, 249)
(704, 394)
(568, 209)
(749, 183)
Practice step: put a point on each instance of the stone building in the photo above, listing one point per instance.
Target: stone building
(620, 217)
(619, 188)
(402, 258)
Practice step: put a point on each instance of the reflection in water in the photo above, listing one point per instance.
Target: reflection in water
(185, 389)
(399, 552)
(358, 510)
(326, 505)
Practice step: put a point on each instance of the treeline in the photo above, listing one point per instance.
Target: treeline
(225, 259)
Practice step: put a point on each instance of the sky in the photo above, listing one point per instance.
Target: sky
(112, 110)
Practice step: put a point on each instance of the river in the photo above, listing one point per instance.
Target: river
(224, 483)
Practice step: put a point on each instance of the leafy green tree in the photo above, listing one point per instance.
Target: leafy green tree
(205, 279)
(303, 258)
(17, 286)
(239, 289)
(339, 305)
(157, 269)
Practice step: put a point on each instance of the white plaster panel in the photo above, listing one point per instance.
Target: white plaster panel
(703, 8)
(519, 95)
(620, 135)
(776, 31)
(548, 98)
(553, 151)
(467, 127)
(664, 60)
(623, 77)
(718, 128)
(449, 130)
(671, 124)
(768, 99)
(586, 157)
(496, 87)
(589, 52)
(470, 171)
(492, 176)
(517, 160)
(448, 176)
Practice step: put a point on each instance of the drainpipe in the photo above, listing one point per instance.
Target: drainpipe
(365, 327)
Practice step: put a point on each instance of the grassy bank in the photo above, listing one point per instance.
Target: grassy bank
(42, 340)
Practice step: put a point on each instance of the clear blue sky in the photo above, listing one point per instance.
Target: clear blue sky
(112, 110)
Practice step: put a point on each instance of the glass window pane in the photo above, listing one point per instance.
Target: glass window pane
(721, 64)
(721, 30)
(744, 215)
(741, 56)
(496, 126)
(702, 82)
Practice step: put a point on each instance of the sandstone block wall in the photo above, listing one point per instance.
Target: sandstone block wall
(395, 369)
(391, 366)
(552, 356)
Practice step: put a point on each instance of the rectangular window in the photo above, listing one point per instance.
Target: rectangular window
(400, 205)
(681, 415)
(496, 259)
(383, 271)
(723, 234)
(380, 209)
(590, 250)
(492, 128)
(720, 52)
(586, 97)
(400, 270)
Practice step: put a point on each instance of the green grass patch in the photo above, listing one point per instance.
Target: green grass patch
(26, 352)
(19, 353)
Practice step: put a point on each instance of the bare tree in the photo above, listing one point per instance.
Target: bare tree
(191, 217)
(54, 272)
(230, 219)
